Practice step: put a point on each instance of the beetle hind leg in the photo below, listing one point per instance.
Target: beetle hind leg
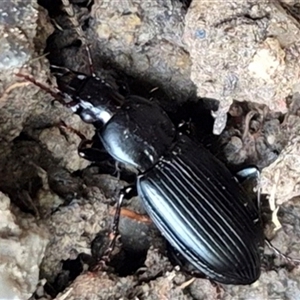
(248, 173)
(284, 257)
(249, 178)
(114, 234)
(251, 175)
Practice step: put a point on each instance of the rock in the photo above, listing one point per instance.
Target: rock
(281, 180)
(245, 54)
(22, 247)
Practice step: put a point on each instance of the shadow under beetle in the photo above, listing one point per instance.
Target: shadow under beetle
(193, 199)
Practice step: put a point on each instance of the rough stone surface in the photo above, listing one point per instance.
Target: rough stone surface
(22, 246)
(144, 38)
(248, 53)
(281, 180)
(71, 227)
(254, 134)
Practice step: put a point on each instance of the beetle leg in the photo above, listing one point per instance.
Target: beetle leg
(115, 230)
(94, 151)
(247, 174)
(281, 255)
(93, 154)
(86, 148)
(249, 178)
(62, 124)
(125, 193)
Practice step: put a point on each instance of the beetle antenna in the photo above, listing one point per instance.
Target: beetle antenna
(55, 93)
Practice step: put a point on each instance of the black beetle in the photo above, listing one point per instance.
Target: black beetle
(194, 200)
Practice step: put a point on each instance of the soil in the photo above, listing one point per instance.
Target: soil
(199, 60)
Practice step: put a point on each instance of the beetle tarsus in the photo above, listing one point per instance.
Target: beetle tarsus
(281, 255)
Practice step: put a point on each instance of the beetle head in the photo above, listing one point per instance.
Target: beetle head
(94, 99)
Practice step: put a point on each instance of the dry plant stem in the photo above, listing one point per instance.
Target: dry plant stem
(187, 283)
(248, 118)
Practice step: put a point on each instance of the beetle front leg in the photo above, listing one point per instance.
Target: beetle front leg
(91, 150)
(93, 154)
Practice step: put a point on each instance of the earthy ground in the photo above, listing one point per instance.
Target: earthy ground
(56, 209)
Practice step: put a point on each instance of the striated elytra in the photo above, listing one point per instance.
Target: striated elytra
(193, 199)
(202, 211)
